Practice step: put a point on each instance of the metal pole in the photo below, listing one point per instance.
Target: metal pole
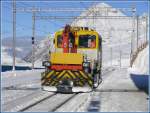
(33, 36)
(14, 33)
(133, 36)
(120, 52)
(111, 55)
(137, 32)
(120, 57)
(93, 16)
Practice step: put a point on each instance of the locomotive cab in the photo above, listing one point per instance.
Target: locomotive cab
(75, 65)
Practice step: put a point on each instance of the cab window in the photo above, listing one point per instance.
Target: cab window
(59, 41)
(87, 41)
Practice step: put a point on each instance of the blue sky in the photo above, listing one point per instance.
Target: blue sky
(24, 20)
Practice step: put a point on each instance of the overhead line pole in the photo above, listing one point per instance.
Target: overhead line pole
(33, 37)
(133, 35)
(14, 33)
(137, 32)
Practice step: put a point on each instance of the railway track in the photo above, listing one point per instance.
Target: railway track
(38, 101)
(25, 101)
(62, 103)
(41, 100)
(50, 103)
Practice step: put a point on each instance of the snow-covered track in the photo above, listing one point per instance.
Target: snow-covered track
(50, 104)
(37, 102)
(64, 102)
(22, 103)
(107, 70)
(75, 104)
(118, 90)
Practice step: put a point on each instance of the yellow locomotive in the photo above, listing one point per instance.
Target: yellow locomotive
(75, 65)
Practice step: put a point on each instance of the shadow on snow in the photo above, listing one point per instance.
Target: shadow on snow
(141, 81)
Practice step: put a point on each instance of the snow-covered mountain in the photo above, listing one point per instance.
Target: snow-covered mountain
(23, 47)
(7, 59)
(42, 49)
(113, 28)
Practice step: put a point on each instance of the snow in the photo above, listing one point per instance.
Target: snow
(19, 83)
(5, 58)
(50, 104)
(141, 64)
(25, 102)
(12, 78)
(8, 95)
(41, 50)
(75, 104)
(107, 27)
(122, 94)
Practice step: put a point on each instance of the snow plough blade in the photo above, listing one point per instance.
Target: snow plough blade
(66, 81)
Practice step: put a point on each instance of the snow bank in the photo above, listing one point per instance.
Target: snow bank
(141, 64)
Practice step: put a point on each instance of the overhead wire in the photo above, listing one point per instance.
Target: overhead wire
(21, 25)
(42, 15)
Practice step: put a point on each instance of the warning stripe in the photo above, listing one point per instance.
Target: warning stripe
(81, 82)
(81, 73)
(74, 78)
(53, 77)
(49, 78)
(88, 78)
(71, 74)
(86, 75)
(79, 77)
(43, 75)
(50, 74)
(46, 77)
(58, 77)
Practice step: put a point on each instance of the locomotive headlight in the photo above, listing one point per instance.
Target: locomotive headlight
(60, 82)
(46, 63)
(71, 83)
(86, 64)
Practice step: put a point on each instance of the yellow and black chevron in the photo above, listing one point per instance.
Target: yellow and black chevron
(52, 78)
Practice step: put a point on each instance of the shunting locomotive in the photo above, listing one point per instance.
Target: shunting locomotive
(75, 65)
